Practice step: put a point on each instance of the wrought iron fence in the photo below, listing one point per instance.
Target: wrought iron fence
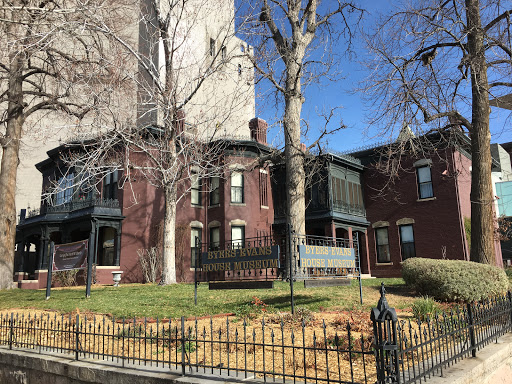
(276, 348)
(269, 349)
(409, 351)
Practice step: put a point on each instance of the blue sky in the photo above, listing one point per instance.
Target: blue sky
(353, 110)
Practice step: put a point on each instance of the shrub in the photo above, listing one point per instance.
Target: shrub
(150, 261)
(454, 280)
(425, 307)
(65, 278)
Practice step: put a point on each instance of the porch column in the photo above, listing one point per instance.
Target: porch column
(41, 251)
(39, 263)
(21, 267)
(333, 229)
(96, 248)
(350, 239)
(117, 246)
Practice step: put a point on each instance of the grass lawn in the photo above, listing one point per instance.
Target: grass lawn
(145, 300)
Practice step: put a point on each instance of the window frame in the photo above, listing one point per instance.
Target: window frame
(214, 191)
(195, 252)
(195, 189)
(240, 197)
(402, 243)
(424, 183)
(65, 189)
(212, 47)
(380, 258)
(214, 245)
(110, 185)
(238, 243)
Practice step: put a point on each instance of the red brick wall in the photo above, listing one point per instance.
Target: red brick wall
(144, 216)
(437, 223)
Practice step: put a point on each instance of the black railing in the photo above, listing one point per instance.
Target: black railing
(279, 347)
(409, 351)
(74, 205)
(272, 350)
(340, 206)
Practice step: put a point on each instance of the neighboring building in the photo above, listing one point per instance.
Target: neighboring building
(229, 208)
(502, 183)
(205, 35)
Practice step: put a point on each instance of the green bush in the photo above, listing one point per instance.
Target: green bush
(454, 280)
(425, 307)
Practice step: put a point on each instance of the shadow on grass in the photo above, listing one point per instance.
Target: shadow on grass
(396, 289)
(283, 301)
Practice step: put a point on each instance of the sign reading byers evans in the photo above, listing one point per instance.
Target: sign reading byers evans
(241, 258)
(314, 256)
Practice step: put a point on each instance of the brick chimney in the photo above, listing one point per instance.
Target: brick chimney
(258, 128)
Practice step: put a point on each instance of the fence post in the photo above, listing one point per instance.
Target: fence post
(509, 295)
(471, 330)
(77, 336)
(11, 330)
(183, 341)
(384, 321)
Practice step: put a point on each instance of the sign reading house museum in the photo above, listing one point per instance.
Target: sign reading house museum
(314, 256)
(241, 258)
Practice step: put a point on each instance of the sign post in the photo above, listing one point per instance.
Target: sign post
(290, 263)
(50, 268)
(92, 237)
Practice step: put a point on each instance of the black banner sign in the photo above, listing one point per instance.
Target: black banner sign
(241, 258)
(70, 256)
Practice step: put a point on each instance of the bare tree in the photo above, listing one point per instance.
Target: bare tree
(294, 45)
(49, 66)
(437, 63)
(193, 89)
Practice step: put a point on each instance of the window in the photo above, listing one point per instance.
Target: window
(239, 70)
(424, 182)
(237, 236)
(212, 47)
(214, 238)
(224, 53)
(195, 247)
(214, 190)
(407, 242)
(65, 190)
(382, 240)
(110, 185)
(237, 187)
(195, 191)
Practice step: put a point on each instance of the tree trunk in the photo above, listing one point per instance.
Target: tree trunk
(169, 251)
(294, 156)
(482, 224)
(9, 166)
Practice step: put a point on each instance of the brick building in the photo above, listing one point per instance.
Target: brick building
(229, 208)
(421, 207)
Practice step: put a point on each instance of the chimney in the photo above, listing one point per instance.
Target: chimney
(258, 128)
